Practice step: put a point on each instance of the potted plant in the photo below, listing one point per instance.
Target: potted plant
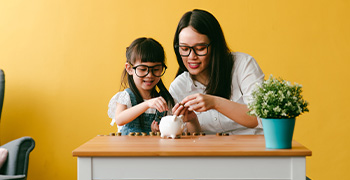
(277, 102)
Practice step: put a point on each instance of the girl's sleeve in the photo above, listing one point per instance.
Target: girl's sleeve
(121, 98)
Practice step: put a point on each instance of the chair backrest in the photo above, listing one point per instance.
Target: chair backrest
(2, 89)
(18, 156)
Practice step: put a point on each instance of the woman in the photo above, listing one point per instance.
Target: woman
(213, 85)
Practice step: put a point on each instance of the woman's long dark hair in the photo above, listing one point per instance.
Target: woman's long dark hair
(221, 61)
(146, 50)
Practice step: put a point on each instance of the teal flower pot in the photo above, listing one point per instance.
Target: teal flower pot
(278, 133)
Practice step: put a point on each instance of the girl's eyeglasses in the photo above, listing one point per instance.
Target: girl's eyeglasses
(143, 70)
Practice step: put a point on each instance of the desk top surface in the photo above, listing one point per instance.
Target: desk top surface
(209, 145)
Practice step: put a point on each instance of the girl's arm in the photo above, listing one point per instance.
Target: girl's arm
(235, 111)
(124, 115)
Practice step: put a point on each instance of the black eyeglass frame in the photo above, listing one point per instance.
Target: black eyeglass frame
(192, 48)
(148, 67)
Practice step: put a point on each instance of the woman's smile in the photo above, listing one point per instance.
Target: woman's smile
(193, 65)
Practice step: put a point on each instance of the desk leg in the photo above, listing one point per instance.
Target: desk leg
(84, 168)
(298, 168)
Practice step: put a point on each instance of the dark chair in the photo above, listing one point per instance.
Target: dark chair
(16, 164)
(2, 89)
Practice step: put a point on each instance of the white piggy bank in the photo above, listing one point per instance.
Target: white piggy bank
(171, 126)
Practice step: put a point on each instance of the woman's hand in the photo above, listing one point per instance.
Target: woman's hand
(235, 111)
(158, 103)
(190, 117)
(199, 102)
(179, 109)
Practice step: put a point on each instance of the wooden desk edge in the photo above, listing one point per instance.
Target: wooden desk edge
(297, 150)
(195, 154)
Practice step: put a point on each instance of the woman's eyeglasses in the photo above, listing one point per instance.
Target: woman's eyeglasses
(143, 70)
(199, 50)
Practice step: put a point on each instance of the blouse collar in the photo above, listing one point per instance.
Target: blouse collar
(193, 84)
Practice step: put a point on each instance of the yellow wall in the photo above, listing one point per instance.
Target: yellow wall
(63, 60)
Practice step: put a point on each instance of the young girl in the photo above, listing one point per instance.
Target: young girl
(146, 100)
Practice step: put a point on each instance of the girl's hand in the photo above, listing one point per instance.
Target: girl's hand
(199, 102)
(158, 103)
(155, 126)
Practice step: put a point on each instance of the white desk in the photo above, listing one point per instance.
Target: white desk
(191, 157)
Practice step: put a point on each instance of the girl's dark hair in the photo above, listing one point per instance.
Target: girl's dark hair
(221, 60)
(146, 50)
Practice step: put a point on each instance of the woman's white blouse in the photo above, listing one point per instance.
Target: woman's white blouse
(246, 74)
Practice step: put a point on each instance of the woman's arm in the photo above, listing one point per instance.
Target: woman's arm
(235, 111)
(246, 73)
(123, 115)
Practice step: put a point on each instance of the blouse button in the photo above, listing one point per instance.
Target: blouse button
(215, 119)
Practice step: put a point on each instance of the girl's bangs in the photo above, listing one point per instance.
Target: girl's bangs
(149, 52)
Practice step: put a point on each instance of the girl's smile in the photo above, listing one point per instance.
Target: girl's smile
(148, 82)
